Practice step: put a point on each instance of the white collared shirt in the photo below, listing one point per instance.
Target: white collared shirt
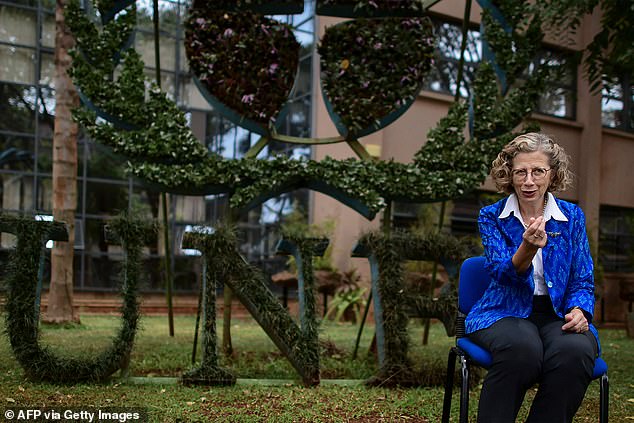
(551, 211)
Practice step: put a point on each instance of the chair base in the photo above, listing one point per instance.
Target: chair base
(454, 353)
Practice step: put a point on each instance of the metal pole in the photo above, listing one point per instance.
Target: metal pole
(164, 197)
(365, 316)
(463, 47)
(201, 294)
(434, 273)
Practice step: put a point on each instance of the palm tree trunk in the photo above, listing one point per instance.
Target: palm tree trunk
(60, 296)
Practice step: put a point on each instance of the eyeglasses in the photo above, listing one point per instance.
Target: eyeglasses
(537, 173)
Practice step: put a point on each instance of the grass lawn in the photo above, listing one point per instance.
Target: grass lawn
(157, 356)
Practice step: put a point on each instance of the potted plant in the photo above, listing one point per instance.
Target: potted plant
(348, 300)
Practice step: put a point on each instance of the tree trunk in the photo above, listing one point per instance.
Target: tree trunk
(60, 296)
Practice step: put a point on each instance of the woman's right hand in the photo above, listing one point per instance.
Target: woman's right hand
(535, 235)
(534, 238)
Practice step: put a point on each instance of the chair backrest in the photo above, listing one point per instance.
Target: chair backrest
(474, 280)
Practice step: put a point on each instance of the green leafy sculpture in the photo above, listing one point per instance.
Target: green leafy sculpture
(152, 133)
(224, 264)
(22, 309)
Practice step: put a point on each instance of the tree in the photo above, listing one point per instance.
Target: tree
(60, 297)
(611, 51)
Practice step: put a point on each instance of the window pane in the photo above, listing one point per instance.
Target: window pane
(297, 120)
(48, 30)
(613, 88)
(102, 271)
(616, 110)
(102, 261)
(144, 44)
(444, 73)
(17, 64)
(191, 96)
(616, 239)
(612, 112)
(45, 194)
(48, 4)
(168, 82)
(31, 3)
(557, 101)
(188, 208)
(442, 77)
(45, 156)
(168, 16)
(17, 192)
(17, 107)
(145, 202)
(631, 103)
(18, 25)
(94, 235)
(106, 198)
(16, 153)
(46, 112)
(47, 71)
(187, 274)
(559, 98)
(559, 60)
(103, 164)
(303, 78)
(226, 139)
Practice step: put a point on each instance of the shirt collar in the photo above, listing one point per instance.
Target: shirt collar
(552, 210)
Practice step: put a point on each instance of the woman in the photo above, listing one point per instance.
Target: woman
(535, 317)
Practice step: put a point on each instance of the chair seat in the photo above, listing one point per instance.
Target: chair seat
(482, 357)
(476, 353)
(600, 368)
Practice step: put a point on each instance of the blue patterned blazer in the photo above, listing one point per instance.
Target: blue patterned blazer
(568, 268)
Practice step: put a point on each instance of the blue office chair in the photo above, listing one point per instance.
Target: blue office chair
(474, 280)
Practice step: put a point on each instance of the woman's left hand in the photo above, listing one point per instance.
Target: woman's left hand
(575, 321)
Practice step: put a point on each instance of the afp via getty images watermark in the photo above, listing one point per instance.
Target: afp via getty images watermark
(89, 415)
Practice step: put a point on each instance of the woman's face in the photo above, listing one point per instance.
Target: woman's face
(531, 177)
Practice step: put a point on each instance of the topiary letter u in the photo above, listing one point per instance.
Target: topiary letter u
(22, 326)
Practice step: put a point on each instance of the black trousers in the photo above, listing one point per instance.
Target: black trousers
(529, 351)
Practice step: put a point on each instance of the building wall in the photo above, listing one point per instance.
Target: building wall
(617, 160)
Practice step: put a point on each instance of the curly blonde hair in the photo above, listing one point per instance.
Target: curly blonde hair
(529, 143)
